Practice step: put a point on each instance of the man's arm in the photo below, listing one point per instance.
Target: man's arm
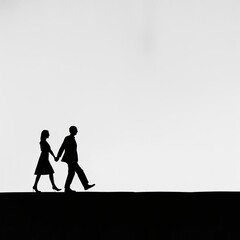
(62, 148)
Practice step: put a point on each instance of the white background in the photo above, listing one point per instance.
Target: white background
(153, 87)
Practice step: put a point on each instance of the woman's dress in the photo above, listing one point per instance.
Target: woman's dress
(44, 167)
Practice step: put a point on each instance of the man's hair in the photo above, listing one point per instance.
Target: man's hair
(72, 129)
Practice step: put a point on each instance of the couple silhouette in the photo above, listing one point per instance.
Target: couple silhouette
(70, 156)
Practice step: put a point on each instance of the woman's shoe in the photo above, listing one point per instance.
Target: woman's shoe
(56, 189)
(36, 190)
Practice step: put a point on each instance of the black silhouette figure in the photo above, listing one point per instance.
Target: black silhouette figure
(44, 167)
(69, 147)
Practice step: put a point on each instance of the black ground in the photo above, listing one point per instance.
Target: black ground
(120, 215)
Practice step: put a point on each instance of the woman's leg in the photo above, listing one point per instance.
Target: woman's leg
(53, 183)
(36, 182)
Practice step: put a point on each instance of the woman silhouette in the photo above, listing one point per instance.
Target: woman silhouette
(44, 167)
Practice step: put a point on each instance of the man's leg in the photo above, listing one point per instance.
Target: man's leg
(71, 173)
(81, 175)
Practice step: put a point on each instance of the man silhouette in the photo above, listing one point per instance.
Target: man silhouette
(69, 147)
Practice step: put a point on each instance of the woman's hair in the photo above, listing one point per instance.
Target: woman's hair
(44, 135)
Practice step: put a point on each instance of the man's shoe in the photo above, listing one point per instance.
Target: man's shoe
(89, 186)
(69, 190)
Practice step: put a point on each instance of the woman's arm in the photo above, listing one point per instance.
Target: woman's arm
(51, 152)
